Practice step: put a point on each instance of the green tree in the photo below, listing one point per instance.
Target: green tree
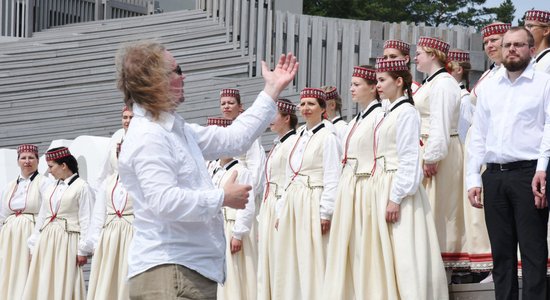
(503, 13)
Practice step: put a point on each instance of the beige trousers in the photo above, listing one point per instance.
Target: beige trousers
(171, 282)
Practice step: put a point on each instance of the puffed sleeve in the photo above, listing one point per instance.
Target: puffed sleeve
(331, 175)
(97, 219)
(444, 99)
(409, 174)
(85, 204)
(245, 217)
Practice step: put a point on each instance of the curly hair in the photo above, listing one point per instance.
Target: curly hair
(144, 76)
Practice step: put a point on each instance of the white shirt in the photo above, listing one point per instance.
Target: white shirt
(86, 202)
(409, 174)
(245, 217)
(511, 122)
(542, 61)
(178, 217)
(466, 113)
(254, 161)
(331, 168)
(340, 126)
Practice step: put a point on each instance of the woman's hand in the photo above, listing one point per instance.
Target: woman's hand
(392, 212)
(236, 245)
(81, 260)
(430, 169)
(325, 226)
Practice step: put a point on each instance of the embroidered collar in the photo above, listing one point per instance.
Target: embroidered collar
(430, 78)
(314, 130)
(33, 176)
(542, 54)
(400, 101)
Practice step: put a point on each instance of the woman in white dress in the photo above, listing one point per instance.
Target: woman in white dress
(18, 211)
(241, 248)
(109, 237)
(404, 262)
(399, 50)
(334, 110)
(438, 101)
(254, 159)
(57, 244)
(306, 208)
(351, 222)
(284, 125)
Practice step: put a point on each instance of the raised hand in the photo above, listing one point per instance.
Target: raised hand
(278, 79)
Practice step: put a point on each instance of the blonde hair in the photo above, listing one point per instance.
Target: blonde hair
(144, 76)
(439, 55)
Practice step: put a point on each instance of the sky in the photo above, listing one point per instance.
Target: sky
(521, 5)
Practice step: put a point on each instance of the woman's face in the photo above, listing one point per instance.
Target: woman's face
(126, 118)
(311, 110)
(230, 107)
(387, 86)
(28, 163)
(362, 92)
(57, 170)
(423, 60)
(394, 54)
(280, 124)
(176, 79)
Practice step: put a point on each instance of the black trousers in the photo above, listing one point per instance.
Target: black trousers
(512, 218)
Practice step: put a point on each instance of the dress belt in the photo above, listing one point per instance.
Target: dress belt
(512, 165)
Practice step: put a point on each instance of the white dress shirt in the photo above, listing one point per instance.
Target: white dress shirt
(245, 217)
(409, 174)
(542, 61)
(86, 202)
(331, 168)
(178, 217)
(19, 197)
(511, 122)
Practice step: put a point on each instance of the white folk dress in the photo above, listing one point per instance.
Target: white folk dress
(275, 176)
(352, 208)
(254, 161)
(57, 239)
(340, 126)
(438, 101)
(542, 61)
(241, 266)
(110, 235)
(478, 247)
(313, 172)
(18, 211)
(402, 260)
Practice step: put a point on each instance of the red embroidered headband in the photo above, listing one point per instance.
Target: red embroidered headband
(434, 43)
(57, 154)
(537, 15)
(368, 74)
(286, 107)
(491, 29)
(218, 121)
(332, 93)
(27, 148)
(399, 45)
(458, 56)
(313, 93)
(229, 93)
(391, 65)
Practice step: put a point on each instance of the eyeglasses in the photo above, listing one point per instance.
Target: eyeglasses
(531, 26)
(178, 70)
(516, 45)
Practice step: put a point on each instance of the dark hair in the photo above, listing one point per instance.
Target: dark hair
(407, 81)
(371, 82)
(293, 118)
(70, 161)
(530, 38)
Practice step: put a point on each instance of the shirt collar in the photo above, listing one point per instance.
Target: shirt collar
(528, 73)
(337, 119)
(285, 136)
(394, 103)
(31, 178)
(542, 54)
(166, 119)
(69, 179)
(313, 130)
